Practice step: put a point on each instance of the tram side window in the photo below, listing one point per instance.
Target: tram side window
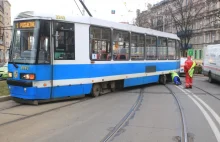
(162, 48)
(177, 49)
(100, 39)
(44, 51)
(171, 49)
(64, 42)
(121, 45)
(151, 48)
(137, 46)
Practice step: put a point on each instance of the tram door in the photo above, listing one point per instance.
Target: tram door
(64, 53)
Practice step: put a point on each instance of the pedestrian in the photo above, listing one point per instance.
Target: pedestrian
(189, 70)
(175, 78)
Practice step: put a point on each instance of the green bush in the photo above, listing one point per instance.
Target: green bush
(198, 69)
(3, 88)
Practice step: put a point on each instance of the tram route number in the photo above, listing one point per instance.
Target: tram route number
(22, 25)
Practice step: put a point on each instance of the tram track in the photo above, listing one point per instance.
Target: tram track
(208, 93)
(184, 133)
(43, 112)
(7, 108)
(130, 113)
(125, 119)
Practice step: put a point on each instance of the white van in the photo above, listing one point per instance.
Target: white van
(182, 63)
(211, 62)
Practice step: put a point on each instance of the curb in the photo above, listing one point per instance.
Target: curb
(5, 98)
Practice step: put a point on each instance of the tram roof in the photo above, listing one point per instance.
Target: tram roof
(93, 21)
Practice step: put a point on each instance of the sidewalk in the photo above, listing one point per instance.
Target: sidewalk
(5, 98)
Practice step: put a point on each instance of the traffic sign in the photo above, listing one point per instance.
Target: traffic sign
(190, 52)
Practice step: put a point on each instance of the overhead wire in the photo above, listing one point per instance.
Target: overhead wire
(78, 7)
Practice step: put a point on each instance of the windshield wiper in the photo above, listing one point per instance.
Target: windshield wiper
(15, 65)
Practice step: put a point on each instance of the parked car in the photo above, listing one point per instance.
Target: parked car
(211, 62)
(4, 72)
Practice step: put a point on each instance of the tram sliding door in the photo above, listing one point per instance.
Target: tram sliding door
(64, 54)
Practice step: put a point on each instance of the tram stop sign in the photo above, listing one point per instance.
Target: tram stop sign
(190, 52)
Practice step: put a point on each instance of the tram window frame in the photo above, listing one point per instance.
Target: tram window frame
(138, 43)
(161, 46)
(155, 58)
(174, 58)
(91, 40)
(129, 44)
(177, 49)
(66, 32)
(47, 47)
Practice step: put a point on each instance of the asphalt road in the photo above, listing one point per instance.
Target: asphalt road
(155, 119)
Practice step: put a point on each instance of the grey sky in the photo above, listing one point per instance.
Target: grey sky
(98, 8)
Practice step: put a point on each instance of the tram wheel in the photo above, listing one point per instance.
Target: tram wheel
(210, 78)
(96, 90)
(113, 86)
(163, 79)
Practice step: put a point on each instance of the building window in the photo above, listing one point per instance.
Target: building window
(171, 49)
(200, 54)
(151, 47)
(162, 48)
(121, 45)
(137, 46)
(100, 39)
(195, 55)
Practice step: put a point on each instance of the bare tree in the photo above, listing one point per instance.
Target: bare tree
(144, 19)
(184, 13)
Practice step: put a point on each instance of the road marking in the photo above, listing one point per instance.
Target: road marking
(208, 118)
(215, 115)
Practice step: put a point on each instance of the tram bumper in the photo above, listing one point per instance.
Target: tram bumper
(26, 91)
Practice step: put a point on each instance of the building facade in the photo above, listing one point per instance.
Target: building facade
(5, 30)
(206, 26)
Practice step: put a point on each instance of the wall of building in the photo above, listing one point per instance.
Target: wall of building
(5, 29)
(206, 28)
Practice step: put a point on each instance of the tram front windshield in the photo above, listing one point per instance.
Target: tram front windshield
(27, 41)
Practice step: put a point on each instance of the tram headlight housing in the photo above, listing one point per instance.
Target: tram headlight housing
(28, 76)
(9, 74)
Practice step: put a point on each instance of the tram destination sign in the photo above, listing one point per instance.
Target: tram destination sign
(26, 24)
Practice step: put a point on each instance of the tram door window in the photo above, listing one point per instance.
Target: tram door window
(151, 47)
(44, 46)
(171, 49)
(162, 48)
(100, 40)
(177, 49)
(121, 45)
(64, 41)
(137, 46)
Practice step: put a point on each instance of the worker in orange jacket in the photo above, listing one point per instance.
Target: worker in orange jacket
(189, 70)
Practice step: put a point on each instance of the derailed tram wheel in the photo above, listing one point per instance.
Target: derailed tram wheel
(96, 90)
(162, 79)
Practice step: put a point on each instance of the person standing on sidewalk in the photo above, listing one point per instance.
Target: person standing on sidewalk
(189, 70)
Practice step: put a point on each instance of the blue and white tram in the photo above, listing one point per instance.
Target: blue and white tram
(57, 57)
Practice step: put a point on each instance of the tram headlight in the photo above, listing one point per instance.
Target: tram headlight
(10, 74)
(27, 76)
